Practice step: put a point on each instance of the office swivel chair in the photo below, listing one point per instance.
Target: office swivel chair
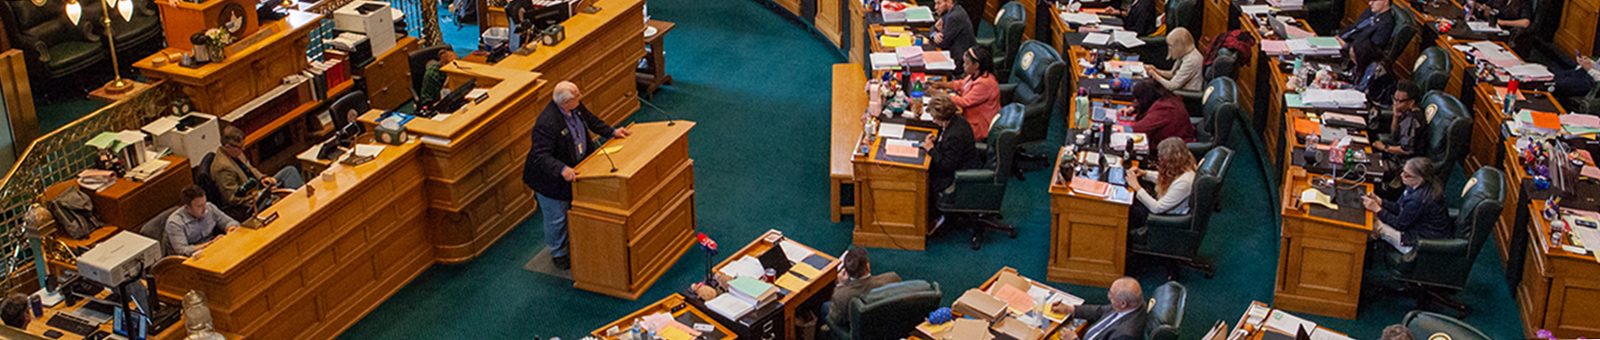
(355, 103)
(53, 46)
(1165, 314)
(418, 60)
(202, 177)
(889, 312)
(1176, 239)
(1036, 80)
(1432, 69)
(1219, 113)
(1424, 325)
(1008, 27)
(156, 228)
(1223, 65)
(1179, 13)
(1440, 267)
(1449, 129)
(974, 200)
(1405, 28)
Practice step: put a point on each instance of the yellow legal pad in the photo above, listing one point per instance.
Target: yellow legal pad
(896, 41)
(791, 282)
(806, 270)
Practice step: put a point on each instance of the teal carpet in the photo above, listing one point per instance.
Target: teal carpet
(759, 88)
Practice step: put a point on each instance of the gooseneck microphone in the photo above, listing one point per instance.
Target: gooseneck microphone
(670, 121)
(608, 158)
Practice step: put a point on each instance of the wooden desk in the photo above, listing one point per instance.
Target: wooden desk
(654, 74)
(38, 327)
(673, 304)
(326, 261)
(1088, 235)
(808, 299)
(1580, 22)
(1054, 330)
(101, 95)
(220, 87)
(472, 161)
(600, 54)
(1320, 260)
(892, 199)
(633, 213)
(128, 204)
(1252, 325)
(849, 106)
(1560, 290)
(1489, 107)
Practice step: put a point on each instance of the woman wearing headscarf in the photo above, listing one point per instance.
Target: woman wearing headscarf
(1185, 74)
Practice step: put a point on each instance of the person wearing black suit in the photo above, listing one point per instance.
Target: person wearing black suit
(1123, 319)
(951, 149)
(953, 32)
(1372, 29)
(1140, 18)
(560, 141)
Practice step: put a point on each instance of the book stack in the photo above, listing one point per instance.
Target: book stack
(910, 56)
(977, 304)
(753, 289)
(1288, 5)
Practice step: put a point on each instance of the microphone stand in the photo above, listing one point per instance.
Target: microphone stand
(608, 156)
(670, 121)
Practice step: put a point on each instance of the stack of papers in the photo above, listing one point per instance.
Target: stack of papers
(909, 55)
(1274, 47)
(752, 289)
(896, 41)
(1334, 98)
(1091, 187)
(938, 60)
(884, 61)
(1483, 27)
(1080, 18)
(1288, 5)
(892, 16)
(919, 14)
(1538, 122)
(977, 304)
(1253, 10)
(1127, 39)
(1492, 52)
(1531, 72)
(1579, 124)
(1097, 39)
(1314, 46)
(731, 306)
(745, 266)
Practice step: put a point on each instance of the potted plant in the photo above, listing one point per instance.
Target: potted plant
(218, 39)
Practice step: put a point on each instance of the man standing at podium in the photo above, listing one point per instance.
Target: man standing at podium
(560, 141)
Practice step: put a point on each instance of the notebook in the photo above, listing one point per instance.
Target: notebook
(1086, 186)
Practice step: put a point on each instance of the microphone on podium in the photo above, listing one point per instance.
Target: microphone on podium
(670, 121)
(608, 158)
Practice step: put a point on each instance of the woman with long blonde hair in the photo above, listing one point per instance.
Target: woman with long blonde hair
(1174, 178)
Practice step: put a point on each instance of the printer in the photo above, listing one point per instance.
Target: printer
(372, 18)
(119, 259)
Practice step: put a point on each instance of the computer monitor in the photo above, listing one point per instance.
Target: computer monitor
(776, 260)
(450, 102)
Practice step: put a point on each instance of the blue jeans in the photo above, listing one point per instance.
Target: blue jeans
(555, 224)
(288, 178)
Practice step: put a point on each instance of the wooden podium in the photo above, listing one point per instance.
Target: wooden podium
(632, 220)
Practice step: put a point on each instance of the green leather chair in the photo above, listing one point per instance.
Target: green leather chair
(975, 198)
(1325, 23)
(1176, 239)
(1219, 112)
(1222, 65)
(889, 312)
(136, 36)
(1432, 69)
(53, 46)
(1449, 129)
(1440, 267)
(1035, 82)
(1405, 28)
(1165, 314)
(1424, 325)
(1008, 26)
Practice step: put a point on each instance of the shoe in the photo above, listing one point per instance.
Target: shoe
(563, 263)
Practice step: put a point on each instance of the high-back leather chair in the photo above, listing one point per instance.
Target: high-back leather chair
(975, 198)
(1449, 128)
(53, 46)
(418, 60)
(891, 311)
(1165, 314)
(202, 178)
(1177, 238)
(1008, 26)
(1036, 80)
(1405, 28)
(133, 34)
(1424, 325)
(1441, 267)
(1432, 69)
(340, 110)
(1179, 13)
(1222, 65)
(1219, 112)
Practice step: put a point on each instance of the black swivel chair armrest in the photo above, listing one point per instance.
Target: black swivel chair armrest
(1008, 92)
(1443, 247)
(1161, 224)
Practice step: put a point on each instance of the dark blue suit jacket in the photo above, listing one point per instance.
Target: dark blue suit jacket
(1418, 215)
(1373, 35)
(553, 150)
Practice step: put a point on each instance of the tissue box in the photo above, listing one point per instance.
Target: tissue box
(391, 130)
(554, 35)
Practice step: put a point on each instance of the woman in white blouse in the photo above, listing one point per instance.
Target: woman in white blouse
(1185, 75)
(1174, 178)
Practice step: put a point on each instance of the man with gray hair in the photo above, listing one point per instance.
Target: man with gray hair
(560, 141)
(1123, 319)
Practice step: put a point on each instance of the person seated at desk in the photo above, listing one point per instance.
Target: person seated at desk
(1369, 74)
(855, 279)
(1577, 81)
(951, 149)
(1123, 319)
(953, 32)
(1409, 126)
(1420, 213)
(1158, 112)
(1506, 13)
(232, 171)
(14, 311)
(1140, 18)
(560, 141)
(1174, 178)
(1185, 75)
(1373, 28)
(192, 228)
(978, 94)
(433, 80)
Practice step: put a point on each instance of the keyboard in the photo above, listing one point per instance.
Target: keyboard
(71, 324)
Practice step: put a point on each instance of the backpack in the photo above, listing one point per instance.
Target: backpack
(1236, 40)
(74, 213)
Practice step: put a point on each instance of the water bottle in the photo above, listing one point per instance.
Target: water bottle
(1084, 111)
(1511, 97)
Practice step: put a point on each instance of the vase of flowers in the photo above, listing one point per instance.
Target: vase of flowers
(217, 40)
